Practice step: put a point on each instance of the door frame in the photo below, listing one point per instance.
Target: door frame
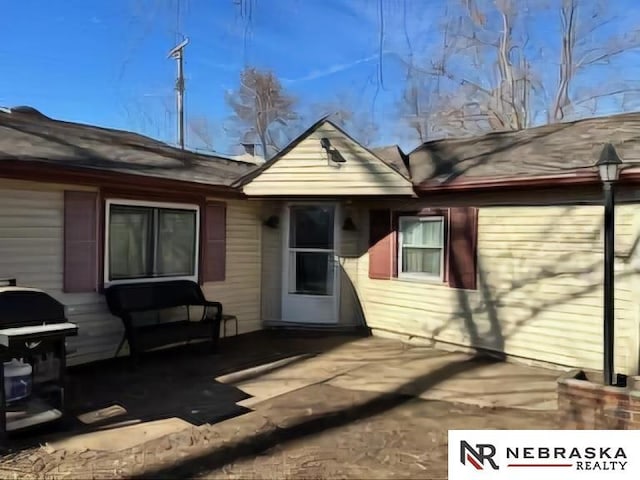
(337, 238)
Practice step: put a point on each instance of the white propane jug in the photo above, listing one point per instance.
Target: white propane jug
(17, 380)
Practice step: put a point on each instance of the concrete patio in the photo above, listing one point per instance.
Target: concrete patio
(381, 365)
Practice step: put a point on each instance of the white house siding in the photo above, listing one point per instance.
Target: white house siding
(271, 265)
(31, 250)
(306, 170)
(240, 292)
(539, 295)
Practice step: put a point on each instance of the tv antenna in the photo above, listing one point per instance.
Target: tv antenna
(177, 53)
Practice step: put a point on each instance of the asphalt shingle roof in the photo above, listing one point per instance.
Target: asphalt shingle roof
(30, 136)
(556, 149)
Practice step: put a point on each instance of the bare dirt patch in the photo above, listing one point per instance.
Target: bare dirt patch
(339, 434)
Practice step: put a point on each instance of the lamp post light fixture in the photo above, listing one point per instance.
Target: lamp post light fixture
(609, 169)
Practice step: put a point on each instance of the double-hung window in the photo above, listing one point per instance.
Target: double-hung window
(151, 240)
(421, 247)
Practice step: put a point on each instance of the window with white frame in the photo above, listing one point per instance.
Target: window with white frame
(151, 240)
(421, 247)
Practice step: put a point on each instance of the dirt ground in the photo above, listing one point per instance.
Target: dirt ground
(361, 436)
(335, 418)
(410, 441)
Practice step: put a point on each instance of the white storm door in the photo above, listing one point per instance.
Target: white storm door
(310, 273)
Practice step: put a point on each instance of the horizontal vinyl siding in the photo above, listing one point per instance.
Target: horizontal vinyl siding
(271, 273)
(305, 170)
(31, 250)
(539, 294)
(545, 269)
(240, 291)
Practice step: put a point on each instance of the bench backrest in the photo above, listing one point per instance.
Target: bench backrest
(139, 297)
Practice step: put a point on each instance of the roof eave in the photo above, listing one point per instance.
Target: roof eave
(582, 178)
(45, 172)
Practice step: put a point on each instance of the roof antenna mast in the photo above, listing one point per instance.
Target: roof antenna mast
(177, 53)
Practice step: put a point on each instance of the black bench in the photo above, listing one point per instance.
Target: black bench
(128, 301)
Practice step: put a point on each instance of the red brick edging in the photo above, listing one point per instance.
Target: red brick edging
(587, 405)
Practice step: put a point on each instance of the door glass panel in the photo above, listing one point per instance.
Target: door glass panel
(311, 273)
(311, 227)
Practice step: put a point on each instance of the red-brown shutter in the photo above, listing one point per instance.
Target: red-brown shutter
(80, 241)
(215, 242)
(463, 241)
(381, 245)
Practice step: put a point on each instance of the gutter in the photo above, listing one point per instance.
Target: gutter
(497, 183)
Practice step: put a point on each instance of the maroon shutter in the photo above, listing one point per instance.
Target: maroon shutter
(463, 240)
(80, 241)
(381, 245)
(215, 242)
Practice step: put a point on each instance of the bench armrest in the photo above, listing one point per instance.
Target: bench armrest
(216, 305)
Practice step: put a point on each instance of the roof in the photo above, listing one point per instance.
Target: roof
(393, 156)
(547, 151)
(27, 135)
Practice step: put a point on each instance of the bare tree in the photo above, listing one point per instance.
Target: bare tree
(418, 104)
(580, 50)
(479, 80)
(422, 94)
(491, 76)
(487, 40)
(261, 108)
(203, 130)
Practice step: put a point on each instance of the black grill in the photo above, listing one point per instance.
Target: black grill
(33, 327)
(20, 307)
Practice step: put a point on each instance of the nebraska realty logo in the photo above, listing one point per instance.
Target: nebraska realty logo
(523, 454)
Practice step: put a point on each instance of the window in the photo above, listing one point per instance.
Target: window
(146, 240)
(421, 247)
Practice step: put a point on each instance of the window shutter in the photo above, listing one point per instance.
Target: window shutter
(215, 242)
(381, 245)
(80, 241)
(463, 241)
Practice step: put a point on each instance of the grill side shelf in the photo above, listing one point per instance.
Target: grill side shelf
(36, 332)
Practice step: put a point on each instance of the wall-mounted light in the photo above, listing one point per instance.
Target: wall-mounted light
(348, 225)
(272, 222)
(334, 155)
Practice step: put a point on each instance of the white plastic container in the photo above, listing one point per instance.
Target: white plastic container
(17, 380)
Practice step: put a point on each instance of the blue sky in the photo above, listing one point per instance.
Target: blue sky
(105, 61)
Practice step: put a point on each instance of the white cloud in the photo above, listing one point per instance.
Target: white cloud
(325, 72)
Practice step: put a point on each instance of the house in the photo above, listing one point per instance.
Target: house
(497, 245)
(83, 207)
(491, 242)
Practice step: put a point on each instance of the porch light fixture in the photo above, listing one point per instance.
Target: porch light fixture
(609, 169)
(334, 154)
(272, 222)
(348, 225)
(609, 164)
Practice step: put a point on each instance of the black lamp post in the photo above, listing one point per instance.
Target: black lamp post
(609, 168)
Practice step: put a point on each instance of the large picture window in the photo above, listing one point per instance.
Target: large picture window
(146, 241)
(421, 247)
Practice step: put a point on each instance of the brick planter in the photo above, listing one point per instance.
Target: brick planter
(585, 404)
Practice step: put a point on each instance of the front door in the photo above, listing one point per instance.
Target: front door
(310, 273)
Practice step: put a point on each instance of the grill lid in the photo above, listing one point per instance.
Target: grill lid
(20, 306)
